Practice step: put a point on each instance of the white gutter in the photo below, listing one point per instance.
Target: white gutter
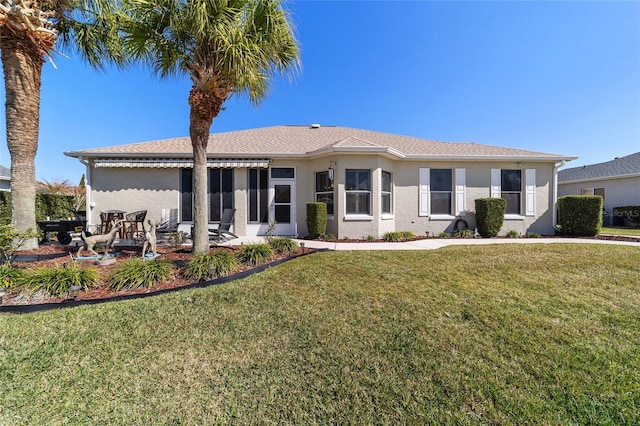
(554, 220)
(87, 188)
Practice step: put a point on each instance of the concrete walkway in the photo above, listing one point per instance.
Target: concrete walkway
(435, 243)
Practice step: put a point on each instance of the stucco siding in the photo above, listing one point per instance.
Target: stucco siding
(132, 189)
(617, 192)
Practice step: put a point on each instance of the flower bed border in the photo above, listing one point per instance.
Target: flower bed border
(71, 303)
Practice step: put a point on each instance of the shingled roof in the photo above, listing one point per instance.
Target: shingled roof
(313, 141)
(628, 166)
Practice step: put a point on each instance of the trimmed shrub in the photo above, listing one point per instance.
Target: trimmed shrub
(513, 234)
(138, 272)
(490, 216)
(252, 254)
(398, 236)
(316, 219)
(580, 215)
(631, 213)
(56, 280)
(283, 245)
(207, 266)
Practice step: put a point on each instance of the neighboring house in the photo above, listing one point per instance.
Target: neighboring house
(617, 181)
(372, 182)
(5, 178)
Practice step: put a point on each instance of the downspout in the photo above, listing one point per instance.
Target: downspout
(87, 189)
(554, 220)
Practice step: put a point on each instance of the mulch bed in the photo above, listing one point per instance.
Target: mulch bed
(55, 254)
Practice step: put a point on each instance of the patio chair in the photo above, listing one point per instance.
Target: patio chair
(222, 233)
(134, 223)
(168, 221)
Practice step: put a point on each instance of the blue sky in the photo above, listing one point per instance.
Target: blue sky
(558, 77)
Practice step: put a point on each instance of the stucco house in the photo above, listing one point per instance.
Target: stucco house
(617, 181)
(5, 178)
(372, 182)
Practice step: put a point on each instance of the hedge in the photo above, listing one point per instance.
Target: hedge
(580, 215)
(316, 219)
(631, 213)
(490, 216)
(53, 206)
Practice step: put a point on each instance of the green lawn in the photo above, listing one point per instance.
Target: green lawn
(635, 232)
(526, 334)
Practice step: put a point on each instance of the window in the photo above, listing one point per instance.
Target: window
(358, 192)
(186, 195)
(441, 191)
(258, 196)
(440, 195)
(386, 193)
(511, 190)
(324, 191)
(593, 191)
(510, 185)
(282, 173)
(220, 192)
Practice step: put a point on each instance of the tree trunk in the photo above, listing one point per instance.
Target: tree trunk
(22, 65)
(204, 107)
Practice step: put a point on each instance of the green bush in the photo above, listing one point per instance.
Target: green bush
(533, 235)
(283, 245)
(316, 219)
(54, 206)
(398, 236)
(490, 216)
(11, 241)
(631, 213)
(56, 280)
(252, 254)
(464, 233)
(444, 235)
(138, 272)
(207, 266)
(5, 208)
(176, 239)
(10, 277)
(513, 234)
(580, 215)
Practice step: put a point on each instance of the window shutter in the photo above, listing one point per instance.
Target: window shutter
(460, 207)
(530, 192)
(495, 183)
(423, 190)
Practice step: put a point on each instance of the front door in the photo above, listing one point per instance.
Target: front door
(282, 204)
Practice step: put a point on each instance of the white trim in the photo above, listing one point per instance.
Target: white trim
(496, 185)
(513, 217)
(460, 187)
(424, 200)
(530, 192)
(356, 217)
(441, 217)
(179, 163)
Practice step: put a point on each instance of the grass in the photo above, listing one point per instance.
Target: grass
(621, 231)
(535, 334)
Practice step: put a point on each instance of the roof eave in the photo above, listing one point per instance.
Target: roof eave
(599, 178)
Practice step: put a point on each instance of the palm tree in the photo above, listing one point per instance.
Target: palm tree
(29, 32)
(225, 47)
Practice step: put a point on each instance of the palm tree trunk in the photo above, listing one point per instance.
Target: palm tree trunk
(22, 63)
(204, 107)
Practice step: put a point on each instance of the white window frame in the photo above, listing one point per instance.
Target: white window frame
(458, 194)
(389, 214)
(527, 192)
(358, 216)
(330, 192)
